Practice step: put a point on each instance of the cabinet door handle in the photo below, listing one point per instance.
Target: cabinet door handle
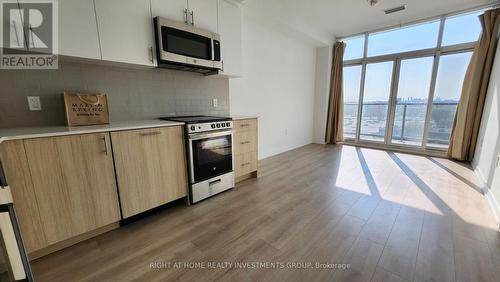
(152, 54)
(105, 140)
(244, 142)
(192, 18)
(186, 16)
(245, 164)
(150, 133)
(245, 125)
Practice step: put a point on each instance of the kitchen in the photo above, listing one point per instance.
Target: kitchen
(185, 139)
(154, 162)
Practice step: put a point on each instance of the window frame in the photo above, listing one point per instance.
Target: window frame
(367, 36)
(396, 58)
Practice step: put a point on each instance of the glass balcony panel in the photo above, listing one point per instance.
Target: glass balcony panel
(378, 80)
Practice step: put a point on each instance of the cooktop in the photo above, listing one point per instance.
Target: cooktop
(196, 119)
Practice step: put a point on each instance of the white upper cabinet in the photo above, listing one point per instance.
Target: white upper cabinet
(198, 13)
(203, 14)
(126, 31)
(230, 32)
(176, 10)
(78, 35)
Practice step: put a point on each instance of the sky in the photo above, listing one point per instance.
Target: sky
(415, 74)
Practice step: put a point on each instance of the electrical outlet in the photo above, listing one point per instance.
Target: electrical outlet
(498, 160)
(215, 102)
(34, 103)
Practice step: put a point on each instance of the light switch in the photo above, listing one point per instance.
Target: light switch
(498, 160)
(215, 102)
(34, 103)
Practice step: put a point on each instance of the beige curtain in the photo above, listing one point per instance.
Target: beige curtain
(470, 109)
(335, 121)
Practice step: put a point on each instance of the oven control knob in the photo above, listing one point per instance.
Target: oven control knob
(228, 124)
(213, 125)
(218, 125)
(193, 127)
(223, 125)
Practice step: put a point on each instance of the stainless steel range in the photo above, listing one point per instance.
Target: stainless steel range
(209, 149)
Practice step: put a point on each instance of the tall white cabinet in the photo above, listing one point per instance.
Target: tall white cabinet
(125, 31)
(78, 35)
(230, 32)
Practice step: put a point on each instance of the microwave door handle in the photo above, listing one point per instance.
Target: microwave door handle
(192, 17)
(186, 16)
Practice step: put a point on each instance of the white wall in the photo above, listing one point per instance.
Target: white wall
(488, 146)
(322, 92)
(277, 84)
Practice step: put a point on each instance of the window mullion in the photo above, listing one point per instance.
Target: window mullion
(430, 100)
(391, 107)
(440, 34)
(360, 101)
(365, 51)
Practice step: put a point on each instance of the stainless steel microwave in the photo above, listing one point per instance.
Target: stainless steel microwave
(184, 47)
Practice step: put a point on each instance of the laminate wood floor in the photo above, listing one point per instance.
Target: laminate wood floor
(389, 216)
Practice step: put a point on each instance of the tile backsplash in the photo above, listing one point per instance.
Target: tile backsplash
(132, 93)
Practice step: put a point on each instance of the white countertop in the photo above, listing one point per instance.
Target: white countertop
(240, 117)
(50, 131)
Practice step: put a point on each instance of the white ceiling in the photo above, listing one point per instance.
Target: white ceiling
(323, 20)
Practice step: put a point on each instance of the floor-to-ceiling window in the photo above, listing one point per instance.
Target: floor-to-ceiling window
(402, 85)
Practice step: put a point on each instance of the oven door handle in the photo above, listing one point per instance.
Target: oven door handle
(209, 135)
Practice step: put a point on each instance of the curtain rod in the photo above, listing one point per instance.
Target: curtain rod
(496, 4)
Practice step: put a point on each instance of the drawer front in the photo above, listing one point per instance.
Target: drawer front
(244, 142)
(212, 186)
(245, 125)
(245, 163)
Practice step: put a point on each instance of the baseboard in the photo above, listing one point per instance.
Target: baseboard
(72, 241)
(282, 150)
(253, 174)
(490, 198)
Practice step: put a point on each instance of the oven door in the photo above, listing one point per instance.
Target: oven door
(210, 155)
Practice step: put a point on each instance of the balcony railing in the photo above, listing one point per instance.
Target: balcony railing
(409, 122)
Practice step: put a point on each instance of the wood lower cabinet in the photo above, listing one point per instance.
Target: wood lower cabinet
(245, 148)
(150, 167)
(62, 186)
(74, 184)
(18, 176)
